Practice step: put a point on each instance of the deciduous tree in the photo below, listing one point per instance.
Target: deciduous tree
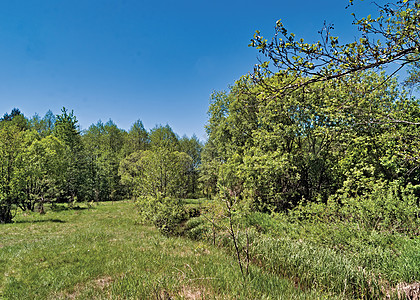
(392, 37)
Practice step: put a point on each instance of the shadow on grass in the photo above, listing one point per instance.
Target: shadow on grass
(58, 208)
(81, 208)
(40, 221)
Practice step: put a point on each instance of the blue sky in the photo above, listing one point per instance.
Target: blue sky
(157, 61)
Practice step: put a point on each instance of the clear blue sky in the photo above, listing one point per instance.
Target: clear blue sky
(157, 61)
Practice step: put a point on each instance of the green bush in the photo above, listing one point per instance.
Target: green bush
(197, 228)
(388, 206)
(163, 212)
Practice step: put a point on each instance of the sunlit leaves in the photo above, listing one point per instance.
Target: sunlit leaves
(279, 149)
(390, 38)
(156, 172)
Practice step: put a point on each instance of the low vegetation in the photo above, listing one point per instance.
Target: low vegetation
(341, 258)
(102, 252)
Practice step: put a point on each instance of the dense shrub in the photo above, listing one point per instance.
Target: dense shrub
(163, 212)
(197, 228)
(385, 205)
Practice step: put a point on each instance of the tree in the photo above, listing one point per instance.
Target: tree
(331, 126)
(131, 172)
(104, 144)
(74, 164)
(93, 143)
(193, 148)
(111, 156)
(163, 137)
(67, 130)
(217, 149)
(137, 138)
(209, 169)
(42, 174)
(413, 78)
(11, 143)
(44, 126)
(280, 150)
(9, 117)
(36, 123)
(161, 171)
(49, 122)
(156, 173)
(391, 38)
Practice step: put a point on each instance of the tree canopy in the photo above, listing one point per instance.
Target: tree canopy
(392, 37)
(49, 159)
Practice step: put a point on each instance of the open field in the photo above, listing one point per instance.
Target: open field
(103, 253)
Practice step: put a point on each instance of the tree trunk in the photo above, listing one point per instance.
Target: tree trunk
(5, 214)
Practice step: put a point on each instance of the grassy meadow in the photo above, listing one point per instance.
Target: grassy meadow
(103, 253)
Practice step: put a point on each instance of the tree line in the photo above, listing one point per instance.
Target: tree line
(321, 127)
(49, 160)
(332, 144)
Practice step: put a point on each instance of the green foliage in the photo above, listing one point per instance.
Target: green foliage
(42, 175)
(318, 251)
(104, 146)
(12, 138)
(383, 206)
(73, 162)
(44, 126)
(277, 150)
(413, 78)
(197, 228)
(163, 137)
(137, 138)
(50, 159)
(193, 147)
(161, 171)
(32, 168)
(164, 213)
(66, 129)
(392, 37)
(208, 169)
(158, 178)
(331, 160)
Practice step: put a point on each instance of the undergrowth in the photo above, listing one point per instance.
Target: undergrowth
(340, 257)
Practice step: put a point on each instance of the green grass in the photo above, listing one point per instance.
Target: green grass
(339, 258)
(103, 253)
(395, 256)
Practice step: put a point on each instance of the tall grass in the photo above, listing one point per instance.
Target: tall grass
(337, 258)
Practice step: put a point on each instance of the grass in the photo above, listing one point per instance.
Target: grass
(343, 259)
(103, 253)
(395, 256)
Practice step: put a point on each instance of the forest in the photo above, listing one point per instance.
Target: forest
(49, 160)
(310, 173)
